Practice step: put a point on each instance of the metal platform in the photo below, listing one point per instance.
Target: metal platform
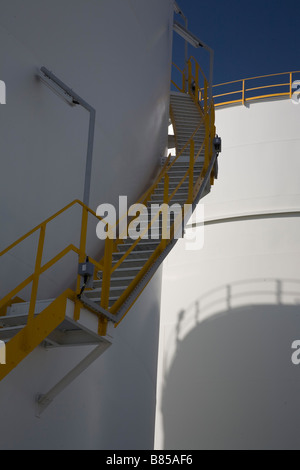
(83, 332)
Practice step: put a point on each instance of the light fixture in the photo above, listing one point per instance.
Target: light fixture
(187, 35)
(57, 89)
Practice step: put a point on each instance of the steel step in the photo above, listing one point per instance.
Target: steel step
(179, 195)
(182, 164)
(142, 245)
(115, 282)
(114, 293)
(182, 101)
(133, 263)
(198, 137)
(193, 123)
(183, 167)
(134, 254)
(9, 332)
(183, 171)
(97, 300)
(185, 112)
(179, 178)
(125, 271)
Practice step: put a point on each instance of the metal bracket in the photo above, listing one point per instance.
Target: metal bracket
(42, 401)
(73, 99)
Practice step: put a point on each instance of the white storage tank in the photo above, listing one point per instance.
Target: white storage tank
(230, 312)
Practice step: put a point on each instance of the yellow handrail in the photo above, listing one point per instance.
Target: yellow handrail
(193, 78)
(208, 122)
(105, 265)
(182, 88)
(246, 91)
(151, 191)
(40, 269)
(47, 221)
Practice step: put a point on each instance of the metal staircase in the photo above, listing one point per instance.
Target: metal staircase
(87, 314)
(187, 118)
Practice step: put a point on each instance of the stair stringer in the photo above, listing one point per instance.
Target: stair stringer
(139, 288)
(186, 128)
(127, 305)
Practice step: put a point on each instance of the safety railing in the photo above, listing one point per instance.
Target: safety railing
(255, 88)
(198, 89)
(179, 85)
(237, 91)
(40, 268)
(105, 266)
(193, 81)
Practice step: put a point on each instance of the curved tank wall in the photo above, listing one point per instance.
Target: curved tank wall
(230, 312)
(109, 406)
(117, 56)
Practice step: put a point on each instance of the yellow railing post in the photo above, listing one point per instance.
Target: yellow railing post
(183, 75)
(106, 279)
(83, 235)
(36, 275)
(197, 84)
(190, 77)
(183, 82)
(205, 97)
(107, 265)
(291, 84)
(243, 93)
(191, 171)
(35, 284)
(81, 258)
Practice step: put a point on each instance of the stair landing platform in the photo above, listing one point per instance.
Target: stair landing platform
(69, 333)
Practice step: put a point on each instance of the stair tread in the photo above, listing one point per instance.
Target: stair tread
(13, 321)
(134, 252)
(99, 289)
(98, 299)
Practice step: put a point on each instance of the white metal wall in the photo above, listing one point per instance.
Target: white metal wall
(230, 312)
(116, 54)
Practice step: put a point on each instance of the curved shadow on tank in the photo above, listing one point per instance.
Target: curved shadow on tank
(231, 383)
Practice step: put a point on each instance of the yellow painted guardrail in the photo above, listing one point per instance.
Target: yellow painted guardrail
(208, 122)
(193, 82)
(239, 91)
(40, 269)
(255, 88)
(195, 88)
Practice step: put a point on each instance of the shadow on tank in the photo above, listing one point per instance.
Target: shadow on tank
(231, 383)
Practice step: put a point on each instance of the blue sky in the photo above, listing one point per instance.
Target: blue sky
(250, 38)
